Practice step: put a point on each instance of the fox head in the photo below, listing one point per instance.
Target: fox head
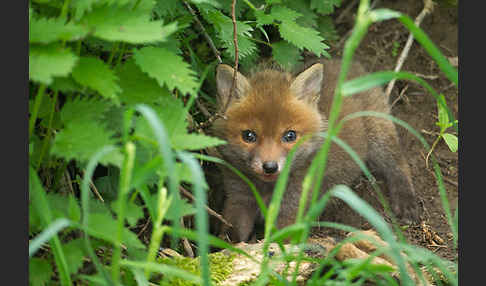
(266, 115)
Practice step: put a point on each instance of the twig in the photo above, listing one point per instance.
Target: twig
(209, 210)
(400, 96)
(186, 244)
(203, 109)
(69, 182)
(208, 39)
(95, 191)
(446, 179)
(235, 42)
(428, 7)
(346, 11)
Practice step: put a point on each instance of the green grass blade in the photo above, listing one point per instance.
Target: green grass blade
(55, 227)
(41, 205)
(419, 35)
(344, 193)
(88, 174)
(162, 269)
(380, 78)
(201, 215)
(437, 171)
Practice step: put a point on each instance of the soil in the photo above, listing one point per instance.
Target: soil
(379, 51)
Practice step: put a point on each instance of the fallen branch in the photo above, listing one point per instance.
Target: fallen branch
(235, 68)
(428, 7)
(208, 209)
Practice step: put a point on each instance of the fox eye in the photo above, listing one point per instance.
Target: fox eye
(289, 136)
(249, 136)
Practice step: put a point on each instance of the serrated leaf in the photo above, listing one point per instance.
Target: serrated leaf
(105, 227)
(309, 17)
(167, 68)
(194, 141)
(182, 206)
(84, 6)
(40, 271)
(325, 7)
(285, 54)
(95, 74)
(47, 30)
(327, 29)
(451, 141)
(112, 23)
(224, 26)
(65, 85)
(133, 212)
(80, 140)
(73, 251)
(262, 18)
(81, 109)
(47, 62)
(137, 87)
(303, 37)
(284, 14)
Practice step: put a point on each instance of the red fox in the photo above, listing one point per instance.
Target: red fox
(266, 115)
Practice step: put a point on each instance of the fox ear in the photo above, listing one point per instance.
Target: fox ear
(224, 81)
(307, 85)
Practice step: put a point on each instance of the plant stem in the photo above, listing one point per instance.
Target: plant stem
(113, 52)
(125, 178)
(49, 131)
(65, 9)
(37, 104)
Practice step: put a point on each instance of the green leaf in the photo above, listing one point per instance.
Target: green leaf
(95, 74)
(303, 37)
(47, 30)
(325, 7)
(194, 141)
(80, 140)
(133, 212)
(451, 141)
(74, 254)
(167, 68)
(46, 62)
(224, 26)
(182, 206)
(137, 87)
(442, 115)
(284, 14)
(40, 271)
(285, 54)
(74, 211)
(123, 24)
(104, 226)
(82, 109)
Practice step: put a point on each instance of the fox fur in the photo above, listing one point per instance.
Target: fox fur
(270, 103)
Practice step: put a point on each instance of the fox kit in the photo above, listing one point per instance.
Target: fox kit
(266, 115)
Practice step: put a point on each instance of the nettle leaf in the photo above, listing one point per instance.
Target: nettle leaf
(285, 54)
(137, 87)
(40, 271)
(303, 37)
(105, 227)
(47, 30)
(73, 251)
(325, 7)
(95, 74)
(47, 62)
(194, 141)
(114, 23)
(224, 26)
(167, 68)
(80, 140)
(66, 85)
(284, 14)
(133, 212)
(83, 6)
(327, 29)
(79, 109)
(451, 141)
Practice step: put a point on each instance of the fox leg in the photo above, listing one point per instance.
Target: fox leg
(241, 212)
(386, 157)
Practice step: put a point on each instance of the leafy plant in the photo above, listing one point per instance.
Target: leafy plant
(113, 86)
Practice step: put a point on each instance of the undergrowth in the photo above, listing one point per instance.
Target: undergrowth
(112, 93)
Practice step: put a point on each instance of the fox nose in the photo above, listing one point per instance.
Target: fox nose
(270, 167)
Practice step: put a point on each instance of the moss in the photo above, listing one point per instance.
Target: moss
(220, 266)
